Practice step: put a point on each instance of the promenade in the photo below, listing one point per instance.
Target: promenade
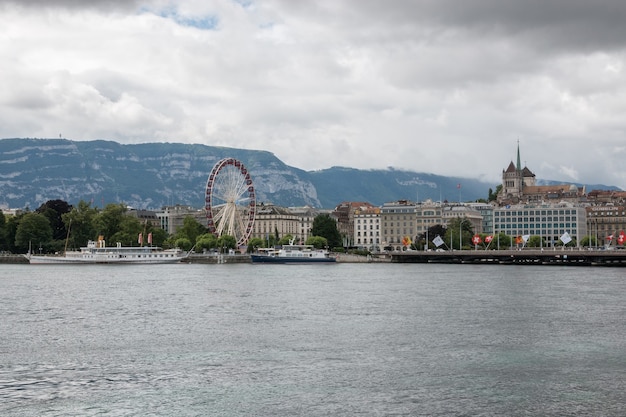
(559, 256)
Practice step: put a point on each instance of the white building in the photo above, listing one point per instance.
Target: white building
(550, 221)
(367, 229)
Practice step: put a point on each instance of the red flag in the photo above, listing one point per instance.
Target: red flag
(140, 239)
(609, 237)
(620, 238)
(150, 238)
(476, 240)
(518, 239)
(488, 239)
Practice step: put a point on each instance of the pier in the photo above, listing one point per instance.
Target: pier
(516, 257)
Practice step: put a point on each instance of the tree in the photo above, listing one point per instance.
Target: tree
(54, 211)
(325, 226)
(285, 240)
(80, 223)
(318, 241)
(108, 221)
(128, 231)
(183, 243)
(191, 229)
(455, 226)
(159, 236)
(588, 241)
(3, 237)
(206, 241)
(226, 242)
(10, 230)
(536, 242)
(433, 231)
(33, 228)
(255, 243)
(493, 196)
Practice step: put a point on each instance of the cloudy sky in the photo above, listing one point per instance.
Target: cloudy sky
(440, 86)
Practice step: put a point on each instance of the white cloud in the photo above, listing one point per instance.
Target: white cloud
(437, 87)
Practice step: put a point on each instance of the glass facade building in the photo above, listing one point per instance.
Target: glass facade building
(548, 221)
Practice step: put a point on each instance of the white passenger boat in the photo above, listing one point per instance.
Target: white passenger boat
(99, 253)
(293, 254)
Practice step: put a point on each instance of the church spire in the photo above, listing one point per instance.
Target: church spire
(519, 161)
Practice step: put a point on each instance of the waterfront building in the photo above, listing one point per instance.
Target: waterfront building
(604, 197)
(344, 215)
(549, 221)
(171, 218)
(427, 215)
(464, 212)
(398, 221)
(277, 221)
(486, 212)
(367, 229)
(606, 223)
(306, 215)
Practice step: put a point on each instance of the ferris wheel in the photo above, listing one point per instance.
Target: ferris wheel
(230, 201)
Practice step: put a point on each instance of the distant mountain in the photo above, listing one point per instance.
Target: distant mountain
(588, 187)
(339, 184)
(152, 175)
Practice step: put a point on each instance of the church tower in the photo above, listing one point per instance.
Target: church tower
(513, 182)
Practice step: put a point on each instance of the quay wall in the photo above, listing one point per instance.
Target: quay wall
(517, 257)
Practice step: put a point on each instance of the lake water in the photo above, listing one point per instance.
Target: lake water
(319, 340)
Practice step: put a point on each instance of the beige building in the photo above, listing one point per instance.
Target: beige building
(604, 197)
(271, 220)
(604, 221)
(305, 215)
(398, 221)
(463, 212)
(427, 215)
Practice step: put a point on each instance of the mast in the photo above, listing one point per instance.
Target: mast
(67, 238)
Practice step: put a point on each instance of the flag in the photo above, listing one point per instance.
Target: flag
(488, 239)
(140, 238)
(476, 240)
(150, 238)
(406, 241)
(438, 241)
(525, 238)
(609, 237)
(518, 240)
(458, 186)
(566, 238)
(620, 238)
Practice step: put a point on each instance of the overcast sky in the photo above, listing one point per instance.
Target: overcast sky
(439, 86)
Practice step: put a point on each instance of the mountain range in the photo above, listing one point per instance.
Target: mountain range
(153, 175)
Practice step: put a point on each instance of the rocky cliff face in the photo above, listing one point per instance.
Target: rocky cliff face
(33, 171)
(152, 175)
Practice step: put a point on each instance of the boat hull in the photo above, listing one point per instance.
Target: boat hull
(37, 260)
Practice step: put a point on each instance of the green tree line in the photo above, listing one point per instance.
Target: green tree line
(57, 226)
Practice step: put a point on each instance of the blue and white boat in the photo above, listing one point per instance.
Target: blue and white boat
(293, 254)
